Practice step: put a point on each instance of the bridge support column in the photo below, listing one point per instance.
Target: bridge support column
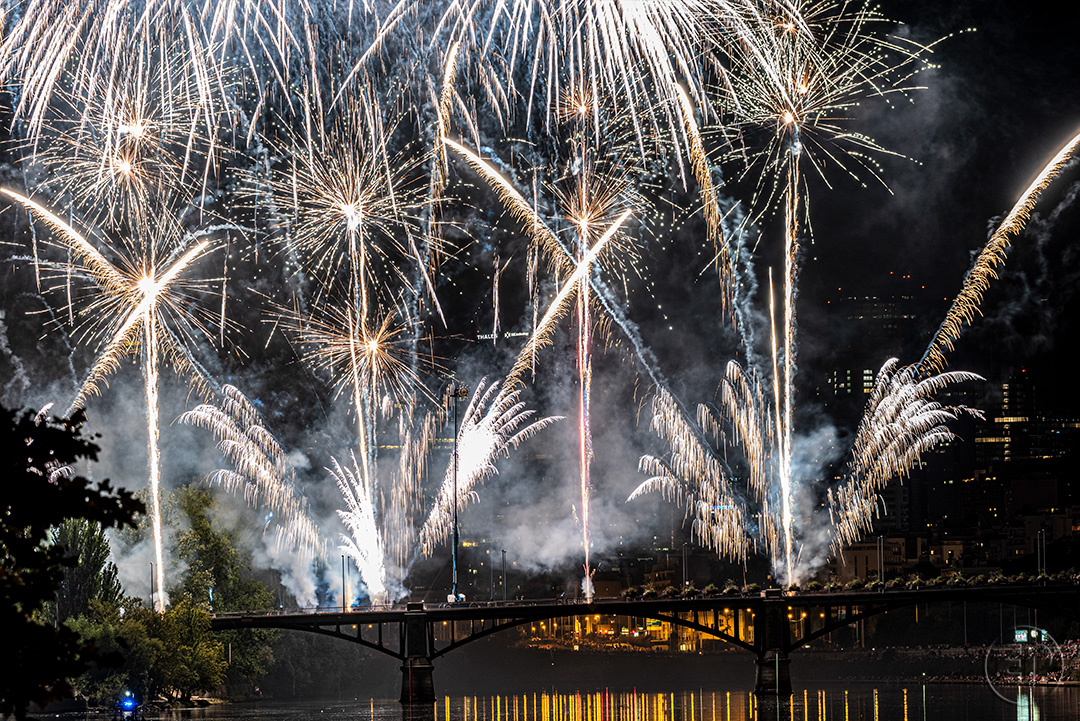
(417, 685)
(773, 675)
(772, 627)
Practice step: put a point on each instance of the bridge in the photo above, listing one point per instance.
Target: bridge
(771, 625)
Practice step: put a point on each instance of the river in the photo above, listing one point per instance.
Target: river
(850, 702)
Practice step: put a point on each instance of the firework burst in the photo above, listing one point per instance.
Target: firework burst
(128, 145)
(142, 303)
(495, 421)
(261, 470)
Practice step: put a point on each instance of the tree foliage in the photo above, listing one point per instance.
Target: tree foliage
(173, 655)
(90, 575)
(39, 493)
(218, 577)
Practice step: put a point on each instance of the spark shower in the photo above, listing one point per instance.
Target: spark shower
(352, 163)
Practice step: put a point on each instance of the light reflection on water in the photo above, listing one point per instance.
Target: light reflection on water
(855, 703)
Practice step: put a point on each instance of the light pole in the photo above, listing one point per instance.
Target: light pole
(881, 560)
(1040, 551)
(455, 390)
(504, 574)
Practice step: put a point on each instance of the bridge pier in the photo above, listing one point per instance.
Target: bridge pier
(773, 675)
(772, 635)
(417, 684)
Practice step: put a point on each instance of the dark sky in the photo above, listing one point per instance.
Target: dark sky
(1001, 102)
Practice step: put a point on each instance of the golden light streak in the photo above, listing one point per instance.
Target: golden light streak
(559, 305)
(966, 305)
(535, 228)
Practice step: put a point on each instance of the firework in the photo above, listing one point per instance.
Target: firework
(129, 144)
(495, 421)
(692, 474)
(364, 542)
(349, 206)
(347, 200)
(901, 423)
(799, 73)
(262, 474)
(636, 54)
(144, 304)
(966, 305)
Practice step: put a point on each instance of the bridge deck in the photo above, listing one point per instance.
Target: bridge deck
(1062, 598)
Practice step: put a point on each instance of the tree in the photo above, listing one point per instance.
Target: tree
(38, 493)
(91, 576)
(119, 629)
(219, 570)
(194, 661)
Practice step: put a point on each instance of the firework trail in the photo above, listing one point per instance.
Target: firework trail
(798, 76)
(637, 54)
(595, 200)
(140, 304)
(72, 48)
(579, 282)
(571, 265)
(900, 424)
(692, 474)
(495, 421)
(364, 542)
(56, 50)
(966, 305)
(262, 474)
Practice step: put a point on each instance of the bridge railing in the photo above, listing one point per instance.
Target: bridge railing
(823, 595)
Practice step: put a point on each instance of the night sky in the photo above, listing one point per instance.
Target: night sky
(1002, 102)
(999, 103)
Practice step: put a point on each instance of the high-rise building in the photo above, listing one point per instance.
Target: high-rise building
(872, 329)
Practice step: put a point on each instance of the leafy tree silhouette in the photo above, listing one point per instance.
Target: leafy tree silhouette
(38, 491)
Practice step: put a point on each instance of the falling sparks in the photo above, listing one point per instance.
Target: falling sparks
(137, 306)
(495, 421)
(900, 424)
(575, 116)
(261, 470)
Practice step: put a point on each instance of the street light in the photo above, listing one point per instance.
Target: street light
(881, 561)
(454, 391)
